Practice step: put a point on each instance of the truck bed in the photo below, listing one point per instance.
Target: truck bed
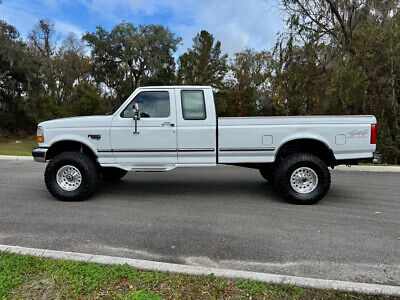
(258, 139)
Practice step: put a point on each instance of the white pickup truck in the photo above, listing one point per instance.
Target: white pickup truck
(160, 128)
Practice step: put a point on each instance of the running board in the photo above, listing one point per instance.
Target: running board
(149, 169)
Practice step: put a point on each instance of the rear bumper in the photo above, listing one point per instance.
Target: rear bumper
(39, 154)
(377, 158)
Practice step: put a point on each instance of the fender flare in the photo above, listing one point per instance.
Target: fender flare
(74, 139)
(311, 137)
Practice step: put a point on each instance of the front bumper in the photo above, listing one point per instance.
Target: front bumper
(39, 154)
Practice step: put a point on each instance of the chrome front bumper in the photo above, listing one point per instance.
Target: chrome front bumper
(39, 154)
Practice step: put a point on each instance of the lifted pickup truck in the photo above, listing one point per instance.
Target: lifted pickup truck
(160, 128)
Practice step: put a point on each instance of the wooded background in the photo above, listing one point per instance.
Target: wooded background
(335, 57)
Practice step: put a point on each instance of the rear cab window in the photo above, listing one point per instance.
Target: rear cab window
(193, 105)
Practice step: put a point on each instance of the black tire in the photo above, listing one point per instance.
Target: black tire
(112, 174)
(267, 172)
(290, 164)
(85, 165)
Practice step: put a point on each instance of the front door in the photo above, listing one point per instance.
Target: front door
(155, 144)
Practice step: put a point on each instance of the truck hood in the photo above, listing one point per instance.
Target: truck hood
(79, 122)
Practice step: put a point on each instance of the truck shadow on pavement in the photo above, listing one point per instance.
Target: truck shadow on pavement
(261, 191)
(190, 188)
(148, 189)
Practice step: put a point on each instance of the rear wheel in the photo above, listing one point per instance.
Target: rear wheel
(112, 174)
(303, 178)
(71, 176)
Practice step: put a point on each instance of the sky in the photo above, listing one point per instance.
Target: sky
(238, 24)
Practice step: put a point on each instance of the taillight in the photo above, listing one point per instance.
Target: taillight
(374, 133)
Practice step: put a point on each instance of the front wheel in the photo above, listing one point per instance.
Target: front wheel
(303, 178)
(71, 176)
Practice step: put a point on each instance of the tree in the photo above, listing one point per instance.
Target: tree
(15, 71)
(336, 20)
(72, 66)
(341, 57)
(130, 56)
(42, 37)
(248, 87)
(87, 101)
(12, 76)
(203, 64)
(42, 45)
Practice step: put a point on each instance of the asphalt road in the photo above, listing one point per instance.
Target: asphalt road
(226, 217)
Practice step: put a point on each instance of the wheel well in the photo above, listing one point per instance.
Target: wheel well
(315, 147)
(64, 146)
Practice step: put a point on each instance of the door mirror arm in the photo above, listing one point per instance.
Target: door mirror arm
(136, 117)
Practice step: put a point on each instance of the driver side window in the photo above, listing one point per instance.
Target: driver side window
(152, 104)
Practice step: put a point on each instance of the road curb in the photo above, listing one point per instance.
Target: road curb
(379, 169)
(345, 286)
(14, 157)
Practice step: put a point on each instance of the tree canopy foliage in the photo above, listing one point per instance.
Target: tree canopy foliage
(203, 64)
(342, 57)
(335, 57)
(130, 56)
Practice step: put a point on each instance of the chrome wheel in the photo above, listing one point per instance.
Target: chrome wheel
(304, 180)
(69, 178)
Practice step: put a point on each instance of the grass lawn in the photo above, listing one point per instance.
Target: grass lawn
(24, 148)
(27, 277)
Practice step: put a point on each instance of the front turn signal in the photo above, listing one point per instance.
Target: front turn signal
(39, 135)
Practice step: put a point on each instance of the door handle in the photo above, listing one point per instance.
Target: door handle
(168, 124)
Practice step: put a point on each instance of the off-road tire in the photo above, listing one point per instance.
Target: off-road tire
(112, 174)
(84, 164)
(267, 172)
(291, 163)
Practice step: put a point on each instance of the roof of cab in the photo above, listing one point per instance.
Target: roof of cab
(177, 87)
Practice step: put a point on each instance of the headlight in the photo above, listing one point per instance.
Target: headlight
(39, 135)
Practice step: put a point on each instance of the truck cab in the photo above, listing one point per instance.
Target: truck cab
(175, 126)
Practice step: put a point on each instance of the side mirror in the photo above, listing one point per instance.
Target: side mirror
(135, 109)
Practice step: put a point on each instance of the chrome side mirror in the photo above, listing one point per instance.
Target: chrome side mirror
(136, 116)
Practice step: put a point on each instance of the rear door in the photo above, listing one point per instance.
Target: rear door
(156, 143)
(196, 121)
